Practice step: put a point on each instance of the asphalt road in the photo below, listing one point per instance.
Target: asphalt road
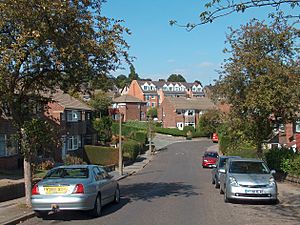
(174, 189)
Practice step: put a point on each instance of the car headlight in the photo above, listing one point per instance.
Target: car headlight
(233, 182)
(272, 182)
(205, 160)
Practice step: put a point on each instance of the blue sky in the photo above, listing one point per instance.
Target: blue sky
(161, 49)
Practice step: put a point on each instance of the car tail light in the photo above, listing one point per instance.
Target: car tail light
(35, 190)
(79, 189)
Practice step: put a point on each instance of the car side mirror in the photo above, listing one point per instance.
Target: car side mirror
(222, 170)
(273, 171)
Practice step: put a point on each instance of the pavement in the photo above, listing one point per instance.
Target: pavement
(15, 211)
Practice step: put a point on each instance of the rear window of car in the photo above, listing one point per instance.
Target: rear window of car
(248, 167)
(68, 173)
(211, 154)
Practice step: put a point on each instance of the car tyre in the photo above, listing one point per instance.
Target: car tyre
(117, 195)
(41, 214)
(97, 210)
(274, 202)
(213, 181)
(217, 185)
(226, 199)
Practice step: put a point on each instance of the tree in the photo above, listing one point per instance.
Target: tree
(210, 121)
(261, 77)
(217, 8)
(176, 78)
(132, 75)
(103, 127)
(52, 44)
(101, 102)
(121, 81)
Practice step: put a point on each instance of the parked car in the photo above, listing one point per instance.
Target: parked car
(248, 179)
(215, 138)
(75, 187)
(220, 167)
(209, 159)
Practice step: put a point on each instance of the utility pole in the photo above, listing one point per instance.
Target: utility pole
(120, 146)
(150, 134)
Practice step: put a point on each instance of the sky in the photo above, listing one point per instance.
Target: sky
(161, 50)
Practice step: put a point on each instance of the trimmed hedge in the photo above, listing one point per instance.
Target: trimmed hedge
(100, 155)
(170, 131)
(131, 149)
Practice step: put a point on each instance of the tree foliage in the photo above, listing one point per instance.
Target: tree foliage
(132, 74)
(176, 78)
(46, 45)
(100, 102)
(103, 127)
(218, 8)
(210, 121)
(261, 76)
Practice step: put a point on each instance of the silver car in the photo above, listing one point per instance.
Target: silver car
(220, 167)
(76, 187)
(248, 179)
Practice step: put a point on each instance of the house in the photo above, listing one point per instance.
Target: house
(180, 112)
(73, 118)
(154, 92)
(9, 156)
(130, 107)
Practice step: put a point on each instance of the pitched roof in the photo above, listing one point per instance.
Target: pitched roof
(160, 84)
(191, 103)
(127, 99)
(67, 101)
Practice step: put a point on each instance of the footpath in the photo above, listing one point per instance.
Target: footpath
(15, 211)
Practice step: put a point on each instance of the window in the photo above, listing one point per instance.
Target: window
(145, 88)
(148, 104)
(170, 88)
(153, 104)
(73, 116)
(147, 97)
(190, 112)
(8, 146)
(297, 126)
(74, 142)
(153, 96)
(142, 115)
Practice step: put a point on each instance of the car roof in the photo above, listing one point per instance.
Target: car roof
(246, 160)
(83, 166)
(229, 156)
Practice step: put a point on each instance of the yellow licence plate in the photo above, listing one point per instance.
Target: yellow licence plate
(56, 190)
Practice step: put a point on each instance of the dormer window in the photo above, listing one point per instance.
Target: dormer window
(145, 88)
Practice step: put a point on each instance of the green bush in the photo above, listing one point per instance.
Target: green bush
(100, 155)
(291, 165)
(199, 133)
(131, 149)
(140, 136)
(186, 129)
(73, 160)
(275, 158)
(170, 131)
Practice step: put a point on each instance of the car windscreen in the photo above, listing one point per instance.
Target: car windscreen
(211, 154)
(246, 167)
(68, 173)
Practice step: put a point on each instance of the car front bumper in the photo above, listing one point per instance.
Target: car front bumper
(59, 202)
(244, 193)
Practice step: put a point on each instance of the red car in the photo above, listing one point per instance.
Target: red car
(215, 138)
(209, 159)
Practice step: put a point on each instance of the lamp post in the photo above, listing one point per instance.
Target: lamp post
(120, 145)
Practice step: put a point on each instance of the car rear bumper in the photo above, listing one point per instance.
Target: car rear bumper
(71, 202)
(208, 164)
(266, 193)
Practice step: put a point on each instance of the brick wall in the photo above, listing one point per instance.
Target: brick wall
(132, 111)
(53, 112)
(167, 115)
(135, 90)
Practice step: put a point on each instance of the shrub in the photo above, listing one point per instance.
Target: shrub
(45, 165)
(170, 131)
(189, 129)
(291, 165)
(140, 136)
(275, 158)
(131, 149)
(101, 155)
(73, 160)
(199, 133)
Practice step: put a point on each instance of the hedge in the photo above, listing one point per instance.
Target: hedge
(131, 149)
(170, 131)
(100, 155)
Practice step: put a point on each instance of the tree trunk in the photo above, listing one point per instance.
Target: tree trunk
(259, 150)
(27, 180)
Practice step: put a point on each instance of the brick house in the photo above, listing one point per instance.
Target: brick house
(73, 118)
(9, 157)
(154, 92)
(131, 107)
(180, 112)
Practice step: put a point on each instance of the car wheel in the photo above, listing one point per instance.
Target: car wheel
(221, 191)
(41, 214)
(213, 181)
(217, 185)
(226, 199)
(117, 196)
(274, 202)
(97, 210)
